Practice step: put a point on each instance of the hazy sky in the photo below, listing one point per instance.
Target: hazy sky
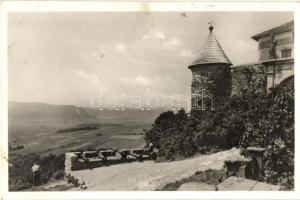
(65, 58)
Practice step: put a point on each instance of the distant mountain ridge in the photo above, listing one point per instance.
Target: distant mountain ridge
(126, 115)
(49, 112)
(43, 111)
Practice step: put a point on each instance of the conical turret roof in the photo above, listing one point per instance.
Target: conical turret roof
(211, 52)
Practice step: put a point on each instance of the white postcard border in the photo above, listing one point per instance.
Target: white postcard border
(92, 6)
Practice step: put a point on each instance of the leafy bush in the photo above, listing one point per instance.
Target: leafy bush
(20, 174)
(58, 174)
(166, 134)
(249, 118)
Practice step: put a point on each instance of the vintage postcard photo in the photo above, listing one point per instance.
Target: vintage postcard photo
(150, 100)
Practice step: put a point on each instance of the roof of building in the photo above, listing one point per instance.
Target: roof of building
(260, 63)
(289, 26)
(253, 64)
(211, 52)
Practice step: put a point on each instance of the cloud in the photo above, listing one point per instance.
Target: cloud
(105, 49)
(187, 53)
(120, 47)
(156, 81)
(154, 34)
(174, 42)
(141, 80)
(95, 54)
(89, 77)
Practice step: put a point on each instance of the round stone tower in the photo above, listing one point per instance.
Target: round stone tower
(211, 75)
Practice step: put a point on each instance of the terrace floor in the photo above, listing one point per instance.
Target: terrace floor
(149, 175)
(176, 175)
(233, 184)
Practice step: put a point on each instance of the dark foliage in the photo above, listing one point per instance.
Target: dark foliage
(20, 174)
(58, 174)
(249, 118)
(274, 130)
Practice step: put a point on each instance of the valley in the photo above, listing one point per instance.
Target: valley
(43, 133)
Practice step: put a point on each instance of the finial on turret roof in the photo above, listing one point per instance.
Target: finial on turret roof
(211, 28)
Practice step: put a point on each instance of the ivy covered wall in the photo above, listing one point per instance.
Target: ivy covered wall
(247, 77)
(210, 83)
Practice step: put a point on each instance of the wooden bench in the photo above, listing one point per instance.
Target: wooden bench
(125, 154)
(86, 160)
(110, 157)
(91, 156)
(140, 154)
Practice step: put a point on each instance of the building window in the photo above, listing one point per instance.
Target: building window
(286, 53)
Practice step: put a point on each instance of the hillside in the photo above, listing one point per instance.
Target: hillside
(39, 128)
(42, 111)
(125, 116)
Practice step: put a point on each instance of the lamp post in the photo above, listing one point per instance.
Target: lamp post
(35, 168)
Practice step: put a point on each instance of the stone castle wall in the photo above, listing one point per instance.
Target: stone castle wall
(250, 76)
(210, 83)
(218, 83)
(279, 72)
(240, 78)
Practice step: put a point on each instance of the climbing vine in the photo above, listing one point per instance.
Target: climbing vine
(249, 118)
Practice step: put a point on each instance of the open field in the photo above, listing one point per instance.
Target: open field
(38, 127)
(42, 137)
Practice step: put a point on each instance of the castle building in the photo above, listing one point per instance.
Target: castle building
(214, 76)
(210, 74)
(276, 52)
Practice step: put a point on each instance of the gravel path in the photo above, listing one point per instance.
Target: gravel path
(149, 175)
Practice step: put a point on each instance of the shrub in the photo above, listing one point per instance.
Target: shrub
(58, 174)
(249, 118)
(71, 179)
(20, 174)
